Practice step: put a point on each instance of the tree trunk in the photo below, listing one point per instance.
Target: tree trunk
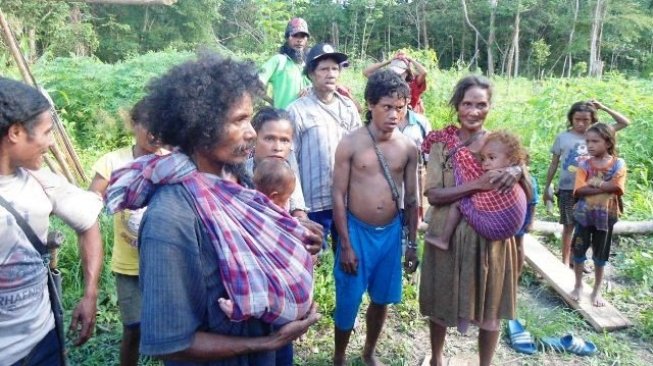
(425, 33)
(566, 67)
(490, 39)
(595, 63)
(512, 69)
(335, 35)
(515, 42)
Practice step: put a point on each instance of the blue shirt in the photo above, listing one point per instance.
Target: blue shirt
(180, 283)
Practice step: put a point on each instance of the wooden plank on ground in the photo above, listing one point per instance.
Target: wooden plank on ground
(561, 278)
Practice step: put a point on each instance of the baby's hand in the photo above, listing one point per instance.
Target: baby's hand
(227, 306)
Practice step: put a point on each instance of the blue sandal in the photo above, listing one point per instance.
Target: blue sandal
(520, 339)
(571, 344)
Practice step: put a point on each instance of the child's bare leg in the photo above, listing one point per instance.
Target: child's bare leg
(597, 299)
(442, 241)
(567, 232)
(227, 306)
(578, 287)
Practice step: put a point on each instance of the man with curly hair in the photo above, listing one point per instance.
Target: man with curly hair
(284, 70)
(195, 229)
(28, 335)
(321, 119)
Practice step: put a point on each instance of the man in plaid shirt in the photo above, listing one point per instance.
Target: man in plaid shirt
(321, 119)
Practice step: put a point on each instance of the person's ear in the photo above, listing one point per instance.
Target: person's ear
(14, 132)
(273, 195)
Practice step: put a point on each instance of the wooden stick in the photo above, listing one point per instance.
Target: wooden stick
(15, 51)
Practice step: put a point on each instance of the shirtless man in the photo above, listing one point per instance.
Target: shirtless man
(369, 226)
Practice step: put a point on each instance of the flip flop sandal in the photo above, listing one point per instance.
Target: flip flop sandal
(577, 345)
(569, 343)
(520, 339)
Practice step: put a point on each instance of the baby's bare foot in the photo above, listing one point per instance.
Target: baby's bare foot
(227, 306)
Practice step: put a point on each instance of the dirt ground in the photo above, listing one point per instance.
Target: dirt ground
(402, 345)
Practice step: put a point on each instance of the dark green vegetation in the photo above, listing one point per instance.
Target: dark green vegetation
(508, 37)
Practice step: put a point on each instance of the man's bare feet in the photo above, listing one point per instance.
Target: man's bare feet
(227, 306)
(575, 294)
(371, 360)
(436, 241)
(597, 299)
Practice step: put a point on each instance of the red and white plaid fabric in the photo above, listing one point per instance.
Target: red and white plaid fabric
(264, 266)
(493, 215)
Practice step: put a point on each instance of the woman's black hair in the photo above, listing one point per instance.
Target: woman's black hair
(20, 103)
(384, 83)
(581, 107)
(187, 106)
(467, 83)
(268, 114)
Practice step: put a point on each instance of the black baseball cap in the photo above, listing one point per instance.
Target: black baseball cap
(321, 51)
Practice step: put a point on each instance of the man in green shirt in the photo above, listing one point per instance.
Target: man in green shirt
(284, 70)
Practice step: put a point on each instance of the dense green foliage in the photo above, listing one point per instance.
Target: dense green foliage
(547, 33)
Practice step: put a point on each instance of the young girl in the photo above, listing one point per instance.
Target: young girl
(124, 260)
(570, 149)
(505, 214)
(600, 182)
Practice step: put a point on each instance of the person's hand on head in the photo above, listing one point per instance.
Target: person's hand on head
(596, 104)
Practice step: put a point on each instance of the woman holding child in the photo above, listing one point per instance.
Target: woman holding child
(475, 279)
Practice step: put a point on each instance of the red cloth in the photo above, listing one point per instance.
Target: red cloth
(417, 88)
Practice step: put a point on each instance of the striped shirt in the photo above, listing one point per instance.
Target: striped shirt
(318, 130)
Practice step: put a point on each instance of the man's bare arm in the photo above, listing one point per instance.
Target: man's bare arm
(341, 174)
(91, 253)
(210, 346)
(410, 207)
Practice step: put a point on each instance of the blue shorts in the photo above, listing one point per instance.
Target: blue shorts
(378, 249)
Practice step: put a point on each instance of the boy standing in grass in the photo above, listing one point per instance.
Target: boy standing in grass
(367, 216)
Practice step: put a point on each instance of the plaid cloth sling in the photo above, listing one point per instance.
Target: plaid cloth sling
(266, 271)
(493, 215)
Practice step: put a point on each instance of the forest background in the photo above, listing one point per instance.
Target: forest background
(542, 55)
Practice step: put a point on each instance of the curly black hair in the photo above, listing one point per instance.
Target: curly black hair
(384, 83)
(188, 104)
(19, 103)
